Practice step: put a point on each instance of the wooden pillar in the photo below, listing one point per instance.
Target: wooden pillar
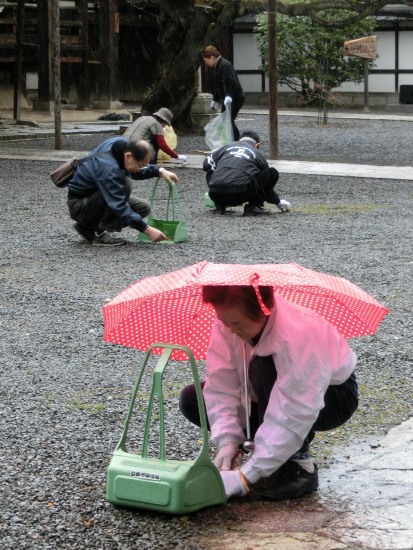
(19, 77)
(83, 89)
(109, 69)
(44, 25)
(57, 85)
(273, 78)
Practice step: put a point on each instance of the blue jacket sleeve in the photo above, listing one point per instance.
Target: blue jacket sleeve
(150, 171)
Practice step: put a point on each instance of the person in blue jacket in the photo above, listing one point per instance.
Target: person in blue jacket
(99, 193)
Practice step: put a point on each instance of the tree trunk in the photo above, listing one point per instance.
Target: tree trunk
(175, 82)
(183, 32)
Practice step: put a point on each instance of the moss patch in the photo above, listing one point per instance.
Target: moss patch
(329, 209)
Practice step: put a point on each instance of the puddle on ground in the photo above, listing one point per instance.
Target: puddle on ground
(365, 501)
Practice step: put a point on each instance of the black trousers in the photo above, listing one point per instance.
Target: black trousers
(341, 401)
(93, 212)
(260, 190)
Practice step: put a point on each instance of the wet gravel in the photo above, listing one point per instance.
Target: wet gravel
(65, 392)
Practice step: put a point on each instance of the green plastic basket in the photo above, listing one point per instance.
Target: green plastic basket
(208, 201)
(158, 484)
(173, 225)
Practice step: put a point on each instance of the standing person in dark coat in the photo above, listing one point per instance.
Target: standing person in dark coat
(228, 89)
(239, 173)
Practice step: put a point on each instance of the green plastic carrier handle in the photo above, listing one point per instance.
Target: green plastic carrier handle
(168, 350)
(173, 203)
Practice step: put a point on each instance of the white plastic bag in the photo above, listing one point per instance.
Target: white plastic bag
(218, 132)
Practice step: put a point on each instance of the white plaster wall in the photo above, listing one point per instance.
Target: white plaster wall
(406, 51)
(250, 82)
(405, 79)
(246, 57)
(386, 50)
(246, 54)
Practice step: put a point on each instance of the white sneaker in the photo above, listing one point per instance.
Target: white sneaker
(284, 206)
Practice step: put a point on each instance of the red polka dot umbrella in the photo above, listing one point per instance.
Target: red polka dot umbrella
(169, 308)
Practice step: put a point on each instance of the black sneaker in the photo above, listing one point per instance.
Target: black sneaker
(290, 481)
(220, 208)
(106, 239)
(85, 232)
(250, 210)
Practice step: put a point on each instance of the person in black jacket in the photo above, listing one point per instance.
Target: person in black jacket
(239, 173)
(228, 89)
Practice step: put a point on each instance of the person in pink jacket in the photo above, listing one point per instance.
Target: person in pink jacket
(301, 380)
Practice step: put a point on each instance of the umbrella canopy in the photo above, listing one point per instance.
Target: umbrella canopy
(169, 308)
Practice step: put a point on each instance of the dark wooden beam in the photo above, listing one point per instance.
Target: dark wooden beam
(108, 75)
(19, 77)
(57, 84)
(45, 91)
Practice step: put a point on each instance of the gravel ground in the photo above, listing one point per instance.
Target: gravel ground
(377, 142)
(65, 392)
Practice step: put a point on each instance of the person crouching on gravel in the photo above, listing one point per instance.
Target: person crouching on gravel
(239, 173)
(150, 128)
(99, 193)
(301, 374)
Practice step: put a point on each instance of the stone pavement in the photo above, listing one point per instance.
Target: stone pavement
(365, 499)
(35, 125)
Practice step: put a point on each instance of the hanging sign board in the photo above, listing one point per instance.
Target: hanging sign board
(362, 47)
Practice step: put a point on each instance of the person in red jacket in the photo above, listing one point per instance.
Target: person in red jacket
(150, 128)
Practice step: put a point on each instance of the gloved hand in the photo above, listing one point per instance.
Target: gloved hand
(183, 158)
(213, 105)
(284, 206)
(234, 483)
(227, 100)
(227, 455)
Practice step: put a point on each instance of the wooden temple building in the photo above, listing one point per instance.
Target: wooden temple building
(107, 50)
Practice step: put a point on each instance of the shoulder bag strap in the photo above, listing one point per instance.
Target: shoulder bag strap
(84, 159)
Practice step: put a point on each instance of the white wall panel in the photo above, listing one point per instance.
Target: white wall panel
(246, 56)
(386, 49)
(250, 82)
(382, 83)
(406, 51)
(350, 87)
(405, 79)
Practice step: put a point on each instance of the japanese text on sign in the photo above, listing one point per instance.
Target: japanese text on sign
(362, 47)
